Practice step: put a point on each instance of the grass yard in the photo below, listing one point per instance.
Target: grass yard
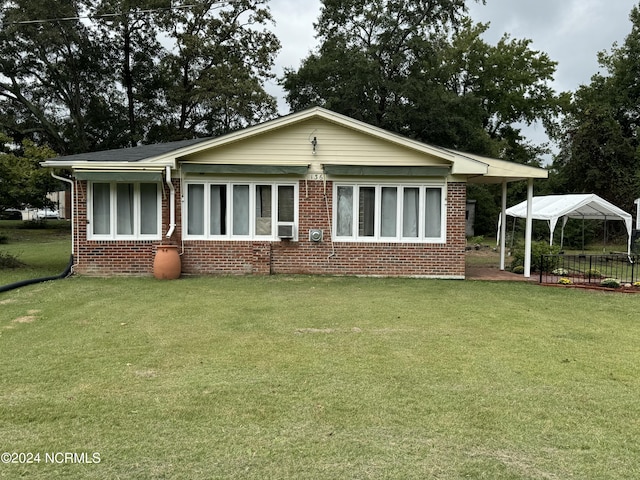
(319, 378)
(43, 252)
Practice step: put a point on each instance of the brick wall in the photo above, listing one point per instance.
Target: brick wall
(111, 257)
(303, 256)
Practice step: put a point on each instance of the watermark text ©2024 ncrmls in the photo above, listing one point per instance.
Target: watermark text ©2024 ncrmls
(50, 457)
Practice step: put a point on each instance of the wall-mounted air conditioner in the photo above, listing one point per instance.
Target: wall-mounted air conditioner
(285, 230)
(315, 235)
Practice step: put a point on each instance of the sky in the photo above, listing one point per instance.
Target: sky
(571, 32)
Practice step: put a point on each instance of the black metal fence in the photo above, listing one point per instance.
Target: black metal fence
(589, 269)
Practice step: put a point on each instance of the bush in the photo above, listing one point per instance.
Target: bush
(519, 269)
(565, 281)
(593, 273)
(610, 283)
(475, 240)
(537, 250)
(8, 260)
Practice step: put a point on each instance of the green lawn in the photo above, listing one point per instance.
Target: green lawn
(43, 252)
(319, 378)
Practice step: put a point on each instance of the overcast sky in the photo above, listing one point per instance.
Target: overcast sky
(571, 32)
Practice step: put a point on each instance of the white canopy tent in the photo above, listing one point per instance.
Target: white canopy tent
(585, 206)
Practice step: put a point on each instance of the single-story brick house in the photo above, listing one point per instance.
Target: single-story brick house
(312, 192)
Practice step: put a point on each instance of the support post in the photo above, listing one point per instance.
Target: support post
(528, 230)
(503, 225)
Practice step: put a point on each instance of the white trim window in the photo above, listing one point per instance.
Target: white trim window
(389, 213)
(240, 210)
(123, 211)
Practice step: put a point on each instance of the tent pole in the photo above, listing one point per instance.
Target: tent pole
(528, 229)
(503, 225)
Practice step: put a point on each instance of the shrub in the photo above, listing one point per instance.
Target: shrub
(519, 269)
(593, 273)
(565, 281)
(8, 260)
(537, 250)
(475, 240)
(560, 271)
(610, 283)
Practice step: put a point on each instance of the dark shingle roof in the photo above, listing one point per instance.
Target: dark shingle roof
(133, 154)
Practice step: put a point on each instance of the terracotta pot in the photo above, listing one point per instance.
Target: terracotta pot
(166, 264)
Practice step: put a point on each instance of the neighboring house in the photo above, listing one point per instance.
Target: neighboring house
(312, 192)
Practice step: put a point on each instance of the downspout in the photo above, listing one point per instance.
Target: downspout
(172, 202)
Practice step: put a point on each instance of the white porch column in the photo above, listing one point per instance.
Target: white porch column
(529, 227)
(503, 224)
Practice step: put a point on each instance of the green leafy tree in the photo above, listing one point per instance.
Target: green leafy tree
(129, 33)
(421, 68)
(23, 182)
(53, 79)
(600, 144)
(367, 52)
(490, 90)
(214, 76)
(80, 76)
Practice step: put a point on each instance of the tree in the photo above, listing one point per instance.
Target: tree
(422, 69)
(52, 77)
(599, 139)
(22, 180)
(493, 89)
(129, 33)
(214, 76)
(367, 50)
(78, 75)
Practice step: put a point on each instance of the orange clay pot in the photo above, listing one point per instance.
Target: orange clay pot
(166, 264)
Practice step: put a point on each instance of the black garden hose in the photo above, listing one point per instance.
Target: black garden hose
(65, 274)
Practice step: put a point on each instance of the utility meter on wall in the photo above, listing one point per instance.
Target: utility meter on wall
(315, 235)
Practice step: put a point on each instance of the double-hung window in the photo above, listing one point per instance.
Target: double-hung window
(389, 213)
(124, 211)
(239, 210)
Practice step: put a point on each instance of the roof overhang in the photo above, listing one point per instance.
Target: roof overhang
(499, 171)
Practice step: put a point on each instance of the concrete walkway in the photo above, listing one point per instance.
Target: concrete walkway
(494, 273)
